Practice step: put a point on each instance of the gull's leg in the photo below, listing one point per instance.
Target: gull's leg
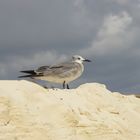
(68, 86)
(64, 85)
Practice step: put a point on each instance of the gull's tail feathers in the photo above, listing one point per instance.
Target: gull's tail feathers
(30, 72)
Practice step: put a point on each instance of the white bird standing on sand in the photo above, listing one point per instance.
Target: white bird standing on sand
(62, 73)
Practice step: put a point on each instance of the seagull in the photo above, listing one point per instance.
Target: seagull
(62, 73)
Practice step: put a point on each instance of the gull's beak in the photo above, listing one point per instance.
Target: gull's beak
(87, 60)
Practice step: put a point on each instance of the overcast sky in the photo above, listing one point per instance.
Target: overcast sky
(42, 32)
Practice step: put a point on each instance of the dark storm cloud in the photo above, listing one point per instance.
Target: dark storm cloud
(34, 33)
(39, 23)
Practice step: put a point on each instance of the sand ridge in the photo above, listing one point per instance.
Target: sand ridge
(90, 112)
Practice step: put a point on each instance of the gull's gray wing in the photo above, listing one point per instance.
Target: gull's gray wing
(41, 69)
(63, 69)
(44, 69)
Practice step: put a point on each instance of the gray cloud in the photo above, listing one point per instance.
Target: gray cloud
(40, 23)
(112, 35)
(34, 33)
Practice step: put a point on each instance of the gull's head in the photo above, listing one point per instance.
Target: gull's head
(79, 59)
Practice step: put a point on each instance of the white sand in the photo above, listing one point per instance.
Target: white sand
(90, 112)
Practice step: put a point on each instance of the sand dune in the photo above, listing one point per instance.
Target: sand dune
(90, 112)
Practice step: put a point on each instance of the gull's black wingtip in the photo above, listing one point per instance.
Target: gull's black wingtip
(28, 71)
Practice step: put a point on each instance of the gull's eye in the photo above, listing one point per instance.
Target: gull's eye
(78, 58)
